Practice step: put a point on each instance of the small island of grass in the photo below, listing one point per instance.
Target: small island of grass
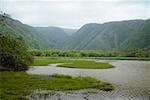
(86, 65)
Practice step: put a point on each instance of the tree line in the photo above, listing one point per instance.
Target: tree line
(93, 53)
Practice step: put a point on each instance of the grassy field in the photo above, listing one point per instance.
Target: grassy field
(16, 85)
(71, 63)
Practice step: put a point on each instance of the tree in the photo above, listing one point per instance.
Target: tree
(5, 14)
(14, 55)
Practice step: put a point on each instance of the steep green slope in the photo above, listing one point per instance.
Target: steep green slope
(111, 35)
(16, 28)
(83, 34)
(53, 35)
(140, 39)
(35, 37)
(114, 34)
(106, 36)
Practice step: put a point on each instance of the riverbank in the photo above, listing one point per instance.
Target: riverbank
(130, 79)
(18, 85)
(98, 58)
(71, 63)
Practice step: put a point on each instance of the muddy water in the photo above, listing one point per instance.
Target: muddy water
(131, 80)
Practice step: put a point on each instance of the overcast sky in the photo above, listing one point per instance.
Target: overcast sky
(74, 13)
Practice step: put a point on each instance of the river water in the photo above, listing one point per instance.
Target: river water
(131, 80)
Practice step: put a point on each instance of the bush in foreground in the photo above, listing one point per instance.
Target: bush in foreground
(14, 55)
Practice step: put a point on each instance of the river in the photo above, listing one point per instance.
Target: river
(131, 80)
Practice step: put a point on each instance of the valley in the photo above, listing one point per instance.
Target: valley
(108, 61)
(92, 36)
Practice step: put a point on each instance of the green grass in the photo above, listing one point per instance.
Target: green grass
(16, 84)
(71, 63)
(86, 64)
(44, 61)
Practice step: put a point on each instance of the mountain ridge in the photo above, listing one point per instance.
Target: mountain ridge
(32, 35)
(100, 37)
(92, 36)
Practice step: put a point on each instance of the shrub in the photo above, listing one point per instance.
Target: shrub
(14, 55)
(61, 76)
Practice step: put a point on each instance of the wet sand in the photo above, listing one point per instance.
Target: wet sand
(131, 80)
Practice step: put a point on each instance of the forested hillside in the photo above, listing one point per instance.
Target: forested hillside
(16, 28)
(54, 35)
(92, 36)
(123, 34)
(140, 39)
(35, 37)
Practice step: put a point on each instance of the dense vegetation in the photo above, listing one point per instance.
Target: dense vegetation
(14, 55)
(17, 85)
(93, 53)
(111, 35)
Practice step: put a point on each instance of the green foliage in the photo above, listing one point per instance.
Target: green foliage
(15, 85)
(93, 53)
(74, 53)
(14, 55)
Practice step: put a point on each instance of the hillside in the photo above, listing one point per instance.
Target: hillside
(35, 37)
(112, 35)
(140, 39)
(92, 36)
(69, 31)
(16, 28)
(54, 35)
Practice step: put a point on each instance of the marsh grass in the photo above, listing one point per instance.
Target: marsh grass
(44, 61)
(71, 63)
(86, 64)
(14, 85)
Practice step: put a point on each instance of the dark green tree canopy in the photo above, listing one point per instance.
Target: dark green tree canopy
(14, 55)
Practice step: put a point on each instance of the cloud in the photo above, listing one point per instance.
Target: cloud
(75, 13)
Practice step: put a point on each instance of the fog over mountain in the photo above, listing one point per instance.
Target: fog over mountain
(74, 13)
